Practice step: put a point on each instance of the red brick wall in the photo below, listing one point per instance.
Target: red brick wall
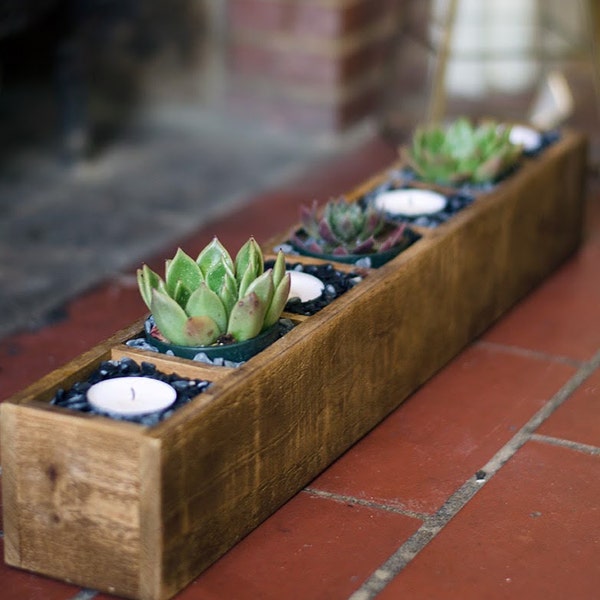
(312, 64)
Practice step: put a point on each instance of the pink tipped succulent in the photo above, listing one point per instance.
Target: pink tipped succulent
(346, 228)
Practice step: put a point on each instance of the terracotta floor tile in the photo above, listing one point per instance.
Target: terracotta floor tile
(16, 584)
(90, 319)
(533, 532)
(578, 419)
(311, 548)
(446, 431)
(561, 317)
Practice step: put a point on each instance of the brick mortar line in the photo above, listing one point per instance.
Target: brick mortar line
(570, 444)
(433, 525)
(528, 353)
(366, 503)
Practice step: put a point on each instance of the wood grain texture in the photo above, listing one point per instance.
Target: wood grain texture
(72, 498)
(155, 506)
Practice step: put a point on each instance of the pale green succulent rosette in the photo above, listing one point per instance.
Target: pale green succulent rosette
(201, 302)
(462, 152)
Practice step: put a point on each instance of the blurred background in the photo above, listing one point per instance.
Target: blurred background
(126, 124)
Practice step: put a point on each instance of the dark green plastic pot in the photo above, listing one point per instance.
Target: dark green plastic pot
(237, 352)
(377, 258)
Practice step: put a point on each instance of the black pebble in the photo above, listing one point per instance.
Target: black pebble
(76, 398)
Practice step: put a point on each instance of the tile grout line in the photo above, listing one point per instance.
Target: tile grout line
(433, 524)
(527, 353)
(563, 443)
(366, 503)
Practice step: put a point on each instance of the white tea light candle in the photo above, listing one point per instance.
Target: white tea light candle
(305, 286)
(410, 202)
(131, 396)
(527, 137)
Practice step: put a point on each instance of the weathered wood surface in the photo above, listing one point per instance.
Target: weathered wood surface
(182, 493)
(72, 497)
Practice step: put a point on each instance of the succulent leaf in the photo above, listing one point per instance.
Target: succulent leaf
(204, 301)
(249, 275)
(247, 318)
(200, 331)
(228, 293)
(395, 238)
(263, 287)
(180, 294)
(182, 268)
(326, 233)
(147, 280)
(248, 257)
(309, 218)
(373, 223)
(365, 246)
(176, 326)
(213, 255)
(218, 275)
(279, 268)
(279, 300)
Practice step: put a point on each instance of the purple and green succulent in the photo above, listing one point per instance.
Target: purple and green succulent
(345, 228)
(215, 298)
(461, 152)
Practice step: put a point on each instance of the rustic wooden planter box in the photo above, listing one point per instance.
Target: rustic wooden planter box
(140, 512)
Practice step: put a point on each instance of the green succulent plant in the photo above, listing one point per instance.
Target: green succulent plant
(345, 228)
(215, 298)
(462, 152)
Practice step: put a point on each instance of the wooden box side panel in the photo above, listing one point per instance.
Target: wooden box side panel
(508, 241)
(544, 220)
(278, 424)
(71, 494)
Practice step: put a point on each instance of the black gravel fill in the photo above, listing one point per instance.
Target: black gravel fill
(548, 138)
(454, 203)
(76, 399)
